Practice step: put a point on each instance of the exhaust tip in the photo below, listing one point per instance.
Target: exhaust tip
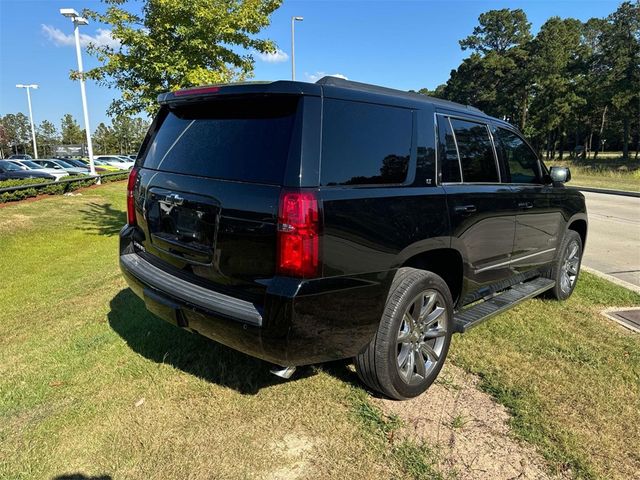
(283, 372)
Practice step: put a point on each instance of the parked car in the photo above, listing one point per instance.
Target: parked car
(20, 156)
(30, 165)
(77, 163)
(62, 165)
(116, 161)
(104, 167)
(132, 157)
(302, 223)
(10, 171)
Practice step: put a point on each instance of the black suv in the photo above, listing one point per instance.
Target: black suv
(303, 223)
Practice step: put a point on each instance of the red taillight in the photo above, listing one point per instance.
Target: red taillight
(131, 208)
(298, 234)
(196, 91)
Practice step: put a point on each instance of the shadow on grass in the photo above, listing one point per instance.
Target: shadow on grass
(81, 476)
(102, 219)
(162, 342)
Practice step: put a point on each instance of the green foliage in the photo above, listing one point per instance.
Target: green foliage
(124, 136)
(47, 137)
(173, 44)
(52, 188)
(15, 133)
(499, 31)
(574, 84)
(71, 132)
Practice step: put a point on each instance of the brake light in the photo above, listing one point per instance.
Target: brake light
(131, 208)
(196, 91)
(298, 229)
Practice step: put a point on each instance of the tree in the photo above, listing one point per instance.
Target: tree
(47, 136)
(499, 31)
(175, 44)
(72, 134)
(554, 60)
(495, 78)
(16, 133)
(104, 140)
(620, 43)
(124, 136)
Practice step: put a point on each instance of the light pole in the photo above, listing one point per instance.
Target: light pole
(77, 21)
(293, 46)
(33, 129)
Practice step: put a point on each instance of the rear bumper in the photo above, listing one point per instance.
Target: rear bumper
(300, 322)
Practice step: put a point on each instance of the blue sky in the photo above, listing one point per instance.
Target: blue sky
(405, 45)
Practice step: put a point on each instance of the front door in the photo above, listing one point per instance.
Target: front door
(539, 219)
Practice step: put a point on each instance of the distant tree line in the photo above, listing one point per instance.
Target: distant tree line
(123, 136)
(575, 86)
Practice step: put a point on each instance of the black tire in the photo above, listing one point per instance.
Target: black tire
(378, 365)
(563, 290)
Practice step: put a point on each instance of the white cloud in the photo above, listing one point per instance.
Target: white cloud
(278, 56)
(59, 38)
(314, 77)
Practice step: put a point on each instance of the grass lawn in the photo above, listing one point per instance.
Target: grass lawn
(602, 176)
(91, 383)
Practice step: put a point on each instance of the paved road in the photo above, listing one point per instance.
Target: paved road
(613, 240)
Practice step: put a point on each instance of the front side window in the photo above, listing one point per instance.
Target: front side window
(365, 144)
(520, 159)
(476, 152)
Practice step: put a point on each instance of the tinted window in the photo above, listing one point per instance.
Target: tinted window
(364, 144)
(449, 152)
(10, 167)
(521, 161)
(241, 139)
(476, 152)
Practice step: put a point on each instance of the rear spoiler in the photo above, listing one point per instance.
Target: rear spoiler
(281, 87)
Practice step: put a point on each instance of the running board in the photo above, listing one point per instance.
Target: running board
(472, 316)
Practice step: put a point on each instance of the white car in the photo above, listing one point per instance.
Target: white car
(30, 165)
(117, 161)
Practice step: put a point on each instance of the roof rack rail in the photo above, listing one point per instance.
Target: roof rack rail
(366, 87)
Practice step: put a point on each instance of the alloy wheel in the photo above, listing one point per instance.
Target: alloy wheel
(421, 336)
(570, 267)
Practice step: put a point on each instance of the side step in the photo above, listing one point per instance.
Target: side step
(472, 316)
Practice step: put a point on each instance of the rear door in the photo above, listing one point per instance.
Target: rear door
(480, 207)
(539, 218)
(211, 174)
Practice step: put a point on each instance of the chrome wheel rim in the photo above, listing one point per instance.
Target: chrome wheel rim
(421, 336)
(570, 267)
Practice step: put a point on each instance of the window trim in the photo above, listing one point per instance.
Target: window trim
(487, 124)
(413, 152)
(541, 173)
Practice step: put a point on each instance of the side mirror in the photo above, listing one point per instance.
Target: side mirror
(560, 174)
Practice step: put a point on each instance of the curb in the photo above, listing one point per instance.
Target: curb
(612, 279)
(624, 193)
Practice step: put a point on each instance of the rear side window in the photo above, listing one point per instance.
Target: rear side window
(233, 139)
(522, 162)
(449, 152)
(476, 152)
(364, 144)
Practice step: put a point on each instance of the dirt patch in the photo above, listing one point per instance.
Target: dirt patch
(468, 429)
(294, 450)
(14, 222)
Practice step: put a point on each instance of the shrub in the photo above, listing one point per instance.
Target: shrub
(52, 188)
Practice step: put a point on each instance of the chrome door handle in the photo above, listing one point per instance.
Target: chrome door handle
(525, 205)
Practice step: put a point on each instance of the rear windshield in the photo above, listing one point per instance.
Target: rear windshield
(233, 139)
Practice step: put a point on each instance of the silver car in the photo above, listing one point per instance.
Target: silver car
(61, 165)
(31, 165)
